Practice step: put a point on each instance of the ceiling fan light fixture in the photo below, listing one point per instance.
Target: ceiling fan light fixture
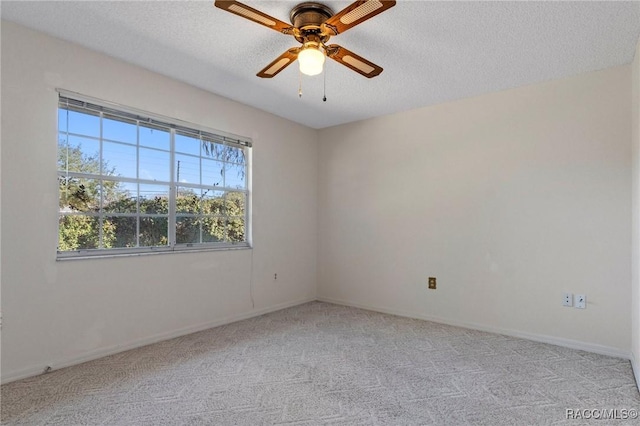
(311, 60)
(312, 25)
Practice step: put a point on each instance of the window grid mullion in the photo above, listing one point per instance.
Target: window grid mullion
(225, 231)
(119, 179)
(101, 180)
(173, 190)
(66, 178)
(67, 141)
(246, 213)
(137, 183)
(201, 199)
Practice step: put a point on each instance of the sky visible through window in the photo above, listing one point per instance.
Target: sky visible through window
(119, 154)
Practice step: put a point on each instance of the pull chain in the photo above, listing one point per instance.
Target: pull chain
(324, 87)
(299, 83)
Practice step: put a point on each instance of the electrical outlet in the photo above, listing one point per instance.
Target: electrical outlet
(432, 283)
(275, 277)
(567, 299)
(581, 301)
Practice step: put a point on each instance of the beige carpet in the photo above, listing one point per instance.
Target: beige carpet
(325, 364)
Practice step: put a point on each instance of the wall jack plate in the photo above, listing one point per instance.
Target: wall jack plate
(581, 301)
(567, 299)
(432, 283)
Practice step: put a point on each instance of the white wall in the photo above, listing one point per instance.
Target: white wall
(635, 253)
(509, 199)
(56, 313)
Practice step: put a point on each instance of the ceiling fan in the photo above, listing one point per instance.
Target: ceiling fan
(313, 24)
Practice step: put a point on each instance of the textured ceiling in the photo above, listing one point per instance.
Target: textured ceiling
(431, 52)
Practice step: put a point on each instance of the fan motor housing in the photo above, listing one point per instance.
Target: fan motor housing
(308, 16)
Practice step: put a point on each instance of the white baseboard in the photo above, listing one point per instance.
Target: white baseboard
(99, 353)
(102, 352)
(573, 344)
(635, 365)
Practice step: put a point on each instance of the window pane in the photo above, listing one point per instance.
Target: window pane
(62, 120)
(154, 137)
(188, 201)
(212, 202)
(78, 194)
(235, 229)
(119, 130)
(78, 232)
(121, 231)
(187, 230)
(213, 150)
(154, 231)
(187, 169)
(235, 176)
(212, 172)
(213, 229)
(187, 144)
(155, 165)
(235, 155)
(78, 154)
(80, 123)
(235, 203)
(119, 159)
(119, 197)
(154, 199)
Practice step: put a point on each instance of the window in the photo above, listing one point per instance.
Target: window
(130, 182)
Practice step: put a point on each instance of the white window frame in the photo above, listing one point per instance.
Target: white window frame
(173, 126)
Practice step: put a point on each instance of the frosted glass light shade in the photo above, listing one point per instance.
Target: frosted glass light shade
(311, 61)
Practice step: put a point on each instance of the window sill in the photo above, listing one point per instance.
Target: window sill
(83, 255)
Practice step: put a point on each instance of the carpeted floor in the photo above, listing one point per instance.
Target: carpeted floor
(320, 363)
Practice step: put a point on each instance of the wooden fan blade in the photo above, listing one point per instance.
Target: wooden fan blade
(355, 14)
(280, 63)
(353, 61)
(254, 15)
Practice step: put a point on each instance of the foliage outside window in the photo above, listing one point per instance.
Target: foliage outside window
(131, 183)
